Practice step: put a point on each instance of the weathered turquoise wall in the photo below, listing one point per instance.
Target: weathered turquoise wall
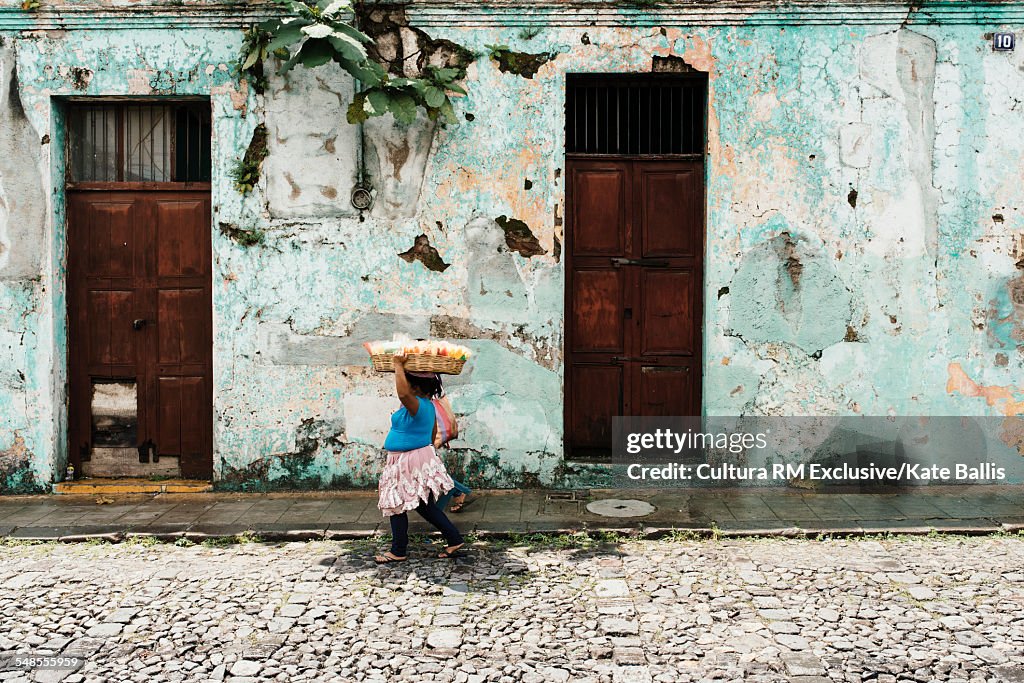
(865, 231)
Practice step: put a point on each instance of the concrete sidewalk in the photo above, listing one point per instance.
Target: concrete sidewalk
(354, 514)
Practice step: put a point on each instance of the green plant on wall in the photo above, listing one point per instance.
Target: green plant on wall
(254, 53)
(246, 175)
(246, 171)
(317, 32)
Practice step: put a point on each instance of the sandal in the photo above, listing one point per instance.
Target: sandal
(450, 553)
(388, 558)
(461, 505)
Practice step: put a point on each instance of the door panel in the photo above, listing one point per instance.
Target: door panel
(181, 237)
(598, 392)
(181, 429)
(139, 281)
(671, 201)
(110, 341)
(634, 307)
(599, 216)
(665, 391)
(597, 310)
(667, 323)
(111, 239)
(181, 326)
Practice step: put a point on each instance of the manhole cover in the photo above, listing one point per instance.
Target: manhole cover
(620, 508)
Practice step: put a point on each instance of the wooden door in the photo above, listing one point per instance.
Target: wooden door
(634, 294)
(140, 319)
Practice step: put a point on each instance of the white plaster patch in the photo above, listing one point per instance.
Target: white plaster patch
(855, 147)
(139, 81)
(5, 239)
(396, 159)
(311, 168)
(368, 418)
(764, 105)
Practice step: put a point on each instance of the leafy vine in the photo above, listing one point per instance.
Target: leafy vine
(319, 31)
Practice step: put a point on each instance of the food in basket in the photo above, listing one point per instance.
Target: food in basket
(423, 356)
(423, 348)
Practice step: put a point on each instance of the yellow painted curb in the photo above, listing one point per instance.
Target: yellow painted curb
(130, 486)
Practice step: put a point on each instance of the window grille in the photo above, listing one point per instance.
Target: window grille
(632, 115)
(139, 142)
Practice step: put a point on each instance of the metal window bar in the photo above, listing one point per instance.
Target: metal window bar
(119, 142)
(635, 116)
(138, 142)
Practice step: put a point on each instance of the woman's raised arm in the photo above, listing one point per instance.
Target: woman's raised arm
(405, 394)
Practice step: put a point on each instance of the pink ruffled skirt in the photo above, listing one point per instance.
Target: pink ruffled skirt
(409, 478)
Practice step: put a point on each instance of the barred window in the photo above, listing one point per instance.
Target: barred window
(641, 114)
(139, 142)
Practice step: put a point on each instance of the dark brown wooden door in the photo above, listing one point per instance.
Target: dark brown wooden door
(634, 295)
(140, 314)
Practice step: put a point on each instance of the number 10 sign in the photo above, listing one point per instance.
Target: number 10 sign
(1002, 42)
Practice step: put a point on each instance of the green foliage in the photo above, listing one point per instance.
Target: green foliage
(684, 535)
(578, 540)
(495, 52)
(8, 542)
(246, 238)
(246, 171)
(246, 175)
(29, 5)
(144, 541)
(316, 33)
(403, 96)
(249, 537)
(253, 53)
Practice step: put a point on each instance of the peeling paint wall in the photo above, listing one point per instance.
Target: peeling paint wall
(865, 231)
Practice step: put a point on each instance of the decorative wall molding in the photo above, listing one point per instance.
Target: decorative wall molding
(111, 16)
(107, 15)
(584, 13)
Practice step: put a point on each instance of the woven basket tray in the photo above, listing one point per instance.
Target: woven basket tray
(419, 362)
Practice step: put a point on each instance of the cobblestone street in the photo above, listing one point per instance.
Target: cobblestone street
(924, 609)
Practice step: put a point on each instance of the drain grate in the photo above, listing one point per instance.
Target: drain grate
(561, 502)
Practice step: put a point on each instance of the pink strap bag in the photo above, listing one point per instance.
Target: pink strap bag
(447, 426)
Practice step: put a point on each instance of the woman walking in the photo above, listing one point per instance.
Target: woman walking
(414, 476)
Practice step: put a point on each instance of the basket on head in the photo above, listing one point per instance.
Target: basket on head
(419, 362)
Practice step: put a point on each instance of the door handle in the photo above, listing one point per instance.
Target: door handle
(645, 262)
(139, 323)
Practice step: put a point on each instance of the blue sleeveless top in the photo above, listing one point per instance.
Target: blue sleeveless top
(409, 432)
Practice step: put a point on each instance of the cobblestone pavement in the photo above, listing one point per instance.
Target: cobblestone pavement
(924, 609)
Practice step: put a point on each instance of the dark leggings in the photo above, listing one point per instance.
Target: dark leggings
(430, 512)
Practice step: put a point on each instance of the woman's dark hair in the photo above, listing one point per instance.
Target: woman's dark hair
(428, 386)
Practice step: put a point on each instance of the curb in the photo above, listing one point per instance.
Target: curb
(300, 534)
